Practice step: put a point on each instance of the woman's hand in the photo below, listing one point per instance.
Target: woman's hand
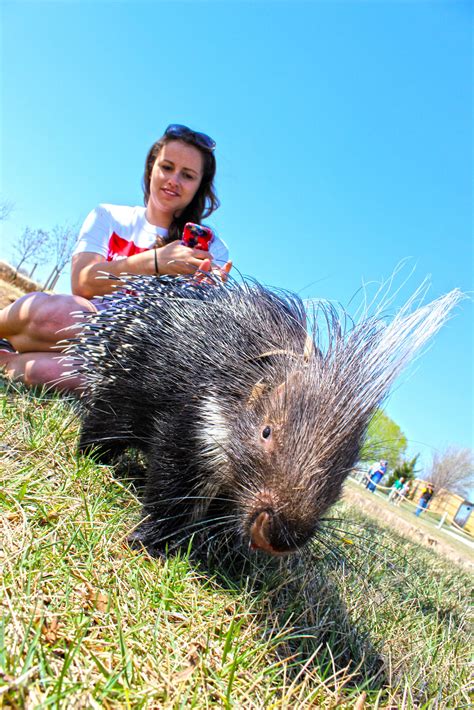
(219, 273)
(89, 270)
(175, 259)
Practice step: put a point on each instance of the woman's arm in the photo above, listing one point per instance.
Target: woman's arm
(88, 268)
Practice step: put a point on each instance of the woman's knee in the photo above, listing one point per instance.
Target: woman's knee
(14, 316)
(52, 316)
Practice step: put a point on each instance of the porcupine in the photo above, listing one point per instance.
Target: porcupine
(250, 420)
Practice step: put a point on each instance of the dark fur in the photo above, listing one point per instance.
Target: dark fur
(195, 374)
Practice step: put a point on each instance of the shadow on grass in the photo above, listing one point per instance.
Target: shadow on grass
(298, 601)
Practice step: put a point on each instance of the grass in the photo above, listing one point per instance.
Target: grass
(367, 618)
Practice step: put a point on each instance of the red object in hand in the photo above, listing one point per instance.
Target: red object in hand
(196, 236)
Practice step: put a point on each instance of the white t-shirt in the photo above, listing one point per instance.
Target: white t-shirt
(118, 231)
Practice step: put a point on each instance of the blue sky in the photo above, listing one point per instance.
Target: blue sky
(344, 145)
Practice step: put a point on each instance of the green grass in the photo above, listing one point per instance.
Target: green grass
(88, 622)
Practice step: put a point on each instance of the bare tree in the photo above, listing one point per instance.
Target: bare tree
(453, 470)
(63, 238)
(33, 243)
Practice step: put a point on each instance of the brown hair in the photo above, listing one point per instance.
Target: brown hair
(204, 202)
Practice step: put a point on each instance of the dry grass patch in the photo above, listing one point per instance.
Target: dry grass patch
(9, 293)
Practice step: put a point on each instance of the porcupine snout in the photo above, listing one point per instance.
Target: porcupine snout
(269, 530)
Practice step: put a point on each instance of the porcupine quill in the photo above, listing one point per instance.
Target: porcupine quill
(250, 413)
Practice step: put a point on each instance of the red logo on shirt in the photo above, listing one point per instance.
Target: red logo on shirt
(120, 248)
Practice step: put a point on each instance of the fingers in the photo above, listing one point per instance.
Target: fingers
(206, 265)
(204, 268)
(218, 273)
(200, 253)
(189, 261)
(225, 271)
(184, 260)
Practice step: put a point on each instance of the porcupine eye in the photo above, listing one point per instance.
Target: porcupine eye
(266, 432)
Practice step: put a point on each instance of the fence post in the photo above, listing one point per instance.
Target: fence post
(442, 521)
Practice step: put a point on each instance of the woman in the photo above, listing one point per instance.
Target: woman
(178, 186)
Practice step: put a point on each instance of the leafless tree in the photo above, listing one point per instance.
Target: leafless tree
(453, 470)
(32, 244)
(63, 238)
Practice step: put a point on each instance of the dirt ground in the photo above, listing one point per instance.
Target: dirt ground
(381, 511)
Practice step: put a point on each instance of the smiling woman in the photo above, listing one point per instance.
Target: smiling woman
(178, 186)
(175, 177)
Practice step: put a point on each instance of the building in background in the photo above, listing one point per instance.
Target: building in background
(458, 510)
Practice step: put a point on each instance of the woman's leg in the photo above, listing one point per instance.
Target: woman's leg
(35, 322)
(33, 325)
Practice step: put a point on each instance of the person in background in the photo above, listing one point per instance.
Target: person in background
(425, 498)
(403, 493)
(396, 488)
(376, 473)
(178, 187)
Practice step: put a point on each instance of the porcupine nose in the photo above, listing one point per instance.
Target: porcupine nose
(272, 533)
(261, 533)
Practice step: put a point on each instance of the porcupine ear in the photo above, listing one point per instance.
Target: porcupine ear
(276, 396)
(260, 388)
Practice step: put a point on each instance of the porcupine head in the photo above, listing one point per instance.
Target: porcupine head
(284, 453)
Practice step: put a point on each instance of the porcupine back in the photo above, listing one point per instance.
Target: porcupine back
(250, 423)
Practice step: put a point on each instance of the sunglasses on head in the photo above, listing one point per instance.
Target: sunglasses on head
(176, 130)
